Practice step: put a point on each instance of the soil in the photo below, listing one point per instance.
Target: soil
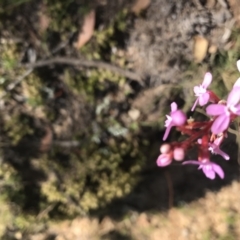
(213, 216)
(161, 45)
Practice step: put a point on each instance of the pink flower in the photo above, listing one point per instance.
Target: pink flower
(214, 148)
(164, 159)
(201, 91)
(209, 168)
(224, 112)
(176, 118)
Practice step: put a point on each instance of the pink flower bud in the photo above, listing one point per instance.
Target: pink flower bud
(165, 148)
(178, 154)
(164, 159)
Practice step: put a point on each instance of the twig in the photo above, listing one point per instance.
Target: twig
(170, 188)
(76, 62)
(86, 63)
(12, 85)
(66, 144)
(45, 211)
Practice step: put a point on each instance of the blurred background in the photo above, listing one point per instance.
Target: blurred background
(84, 90)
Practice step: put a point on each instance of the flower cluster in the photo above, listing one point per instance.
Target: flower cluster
(207, 135)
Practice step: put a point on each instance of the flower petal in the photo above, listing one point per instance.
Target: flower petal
(173, 107)
(223, 154)
(233, 97)
(220, 124)
(238, 65)
(178, 118)
(209, 173)
(207, 80)
(203, 99)
(215, 109)
(218, 170)
(167, 132)
(237, 83)
(237, 107)
(194, 105)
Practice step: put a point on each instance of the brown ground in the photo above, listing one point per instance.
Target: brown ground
(214, 216)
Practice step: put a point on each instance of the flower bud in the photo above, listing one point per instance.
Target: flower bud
(164, 159)
(165, 148)
(178, 154)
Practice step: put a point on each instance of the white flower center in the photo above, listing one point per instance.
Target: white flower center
(232, 109)
(201, 90)
(168, 121)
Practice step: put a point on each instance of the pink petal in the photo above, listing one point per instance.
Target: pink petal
(218, 140)
(237, 83)
(220, 124)
(223, 154)
(194, 105)
(167, 132)
(209, 173)
(173, 107)
(215, 109)
(234, 97)
(203, 99)
(178, 118)
(207, 80)
(238, 65)
(218, 170)
(237, 112)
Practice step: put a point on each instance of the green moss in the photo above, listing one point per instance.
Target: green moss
(93, 180)
(9, 55)
(16, 128)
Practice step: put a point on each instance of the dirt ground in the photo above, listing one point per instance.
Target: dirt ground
(214, 216)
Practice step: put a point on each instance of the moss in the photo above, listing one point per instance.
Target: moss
(84, 179)
(9, 55)
(10, 190)
(93, 180)
(17, 128)
(32, 88)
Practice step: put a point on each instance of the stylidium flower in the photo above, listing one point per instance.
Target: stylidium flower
(176, 118)
(201, 91)
(224, 112)
(209, 168)
(164, 159)
(215, 148)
